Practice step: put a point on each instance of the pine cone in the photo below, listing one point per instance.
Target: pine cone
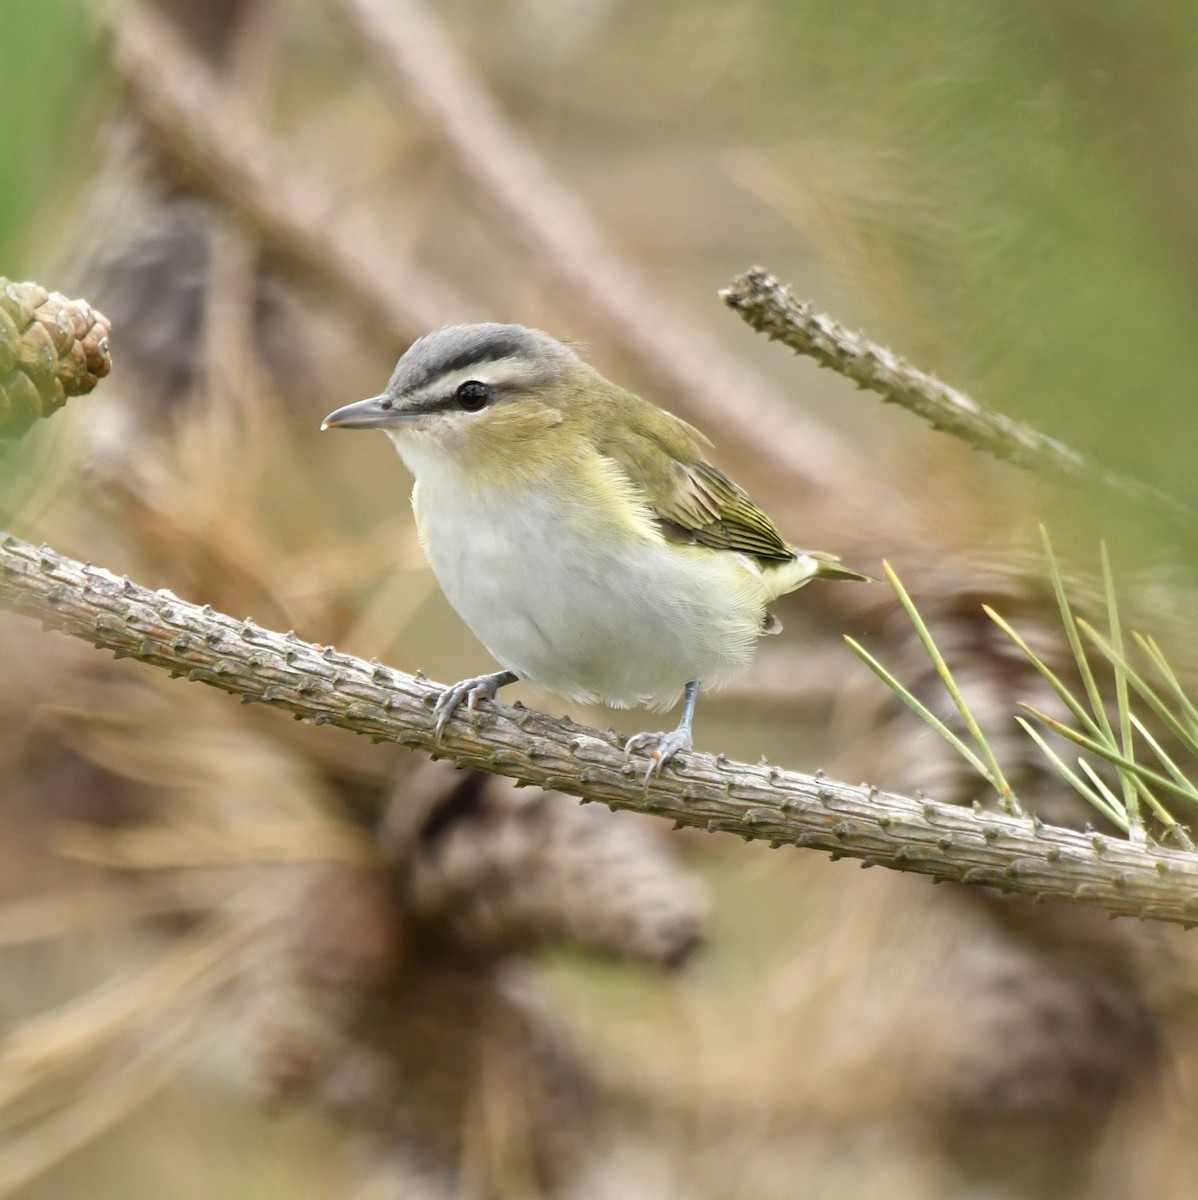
(502, 870)
(51, 348)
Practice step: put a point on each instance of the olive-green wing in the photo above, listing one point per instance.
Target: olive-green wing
(693, 501)
(706, 507)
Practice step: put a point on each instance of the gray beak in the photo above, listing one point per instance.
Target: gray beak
(375, 413)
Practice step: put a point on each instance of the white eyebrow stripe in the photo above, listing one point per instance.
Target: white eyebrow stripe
(499, 373)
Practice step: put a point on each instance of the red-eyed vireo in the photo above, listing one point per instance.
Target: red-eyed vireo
(577, 529)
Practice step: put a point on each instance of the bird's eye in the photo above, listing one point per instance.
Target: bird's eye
(473, 395)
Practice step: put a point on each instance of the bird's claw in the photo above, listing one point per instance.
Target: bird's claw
(481, 687)
(664, 747)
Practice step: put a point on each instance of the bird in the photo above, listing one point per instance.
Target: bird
(579, 530)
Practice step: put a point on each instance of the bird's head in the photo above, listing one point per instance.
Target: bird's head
(477, 392)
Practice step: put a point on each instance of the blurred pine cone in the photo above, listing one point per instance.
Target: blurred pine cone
(500, 870)
(51, 348)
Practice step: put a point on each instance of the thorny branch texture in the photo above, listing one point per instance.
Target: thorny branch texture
(757, 802)
(770, 308)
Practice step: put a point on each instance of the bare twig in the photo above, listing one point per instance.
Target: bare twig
(770, 308)
(756, 802)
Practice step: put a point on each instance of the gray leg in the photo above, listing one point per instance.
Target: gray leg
(666, 745)
(480, 687)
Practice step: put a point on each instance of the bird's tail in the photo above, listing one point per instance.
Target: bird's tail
(806, 565)
(828, 567)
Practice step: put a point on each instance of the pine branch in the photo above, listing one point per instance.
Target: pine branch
(769, 307)
(757, 802)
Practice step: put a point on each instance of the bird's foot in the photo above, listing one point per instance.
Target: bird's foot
(662, 747)
(480, 687)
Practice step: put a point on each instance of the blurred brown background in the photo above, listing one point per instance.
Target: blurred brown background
(243, 957)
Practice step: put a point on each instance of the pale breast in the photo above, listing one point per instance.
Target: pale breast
(591, 609)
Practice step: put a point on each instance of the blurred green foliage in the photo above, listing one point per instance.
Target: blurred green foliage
(49, 60)
(1002, 190)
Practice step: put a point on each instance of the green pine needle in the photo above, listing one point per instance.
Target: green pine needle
(1068, 621)
(1141, 784)
(994, 772)
(1144, 689)
(1157, 657)
(1098, 795)
(1130, 797)
(920, 709)
(1112, 755)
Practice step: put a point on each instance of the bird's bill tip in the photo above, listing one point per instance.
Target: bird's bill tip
(374, 413)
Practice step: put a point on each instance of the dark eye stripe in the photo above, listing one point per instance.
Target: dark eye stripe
(449, 403)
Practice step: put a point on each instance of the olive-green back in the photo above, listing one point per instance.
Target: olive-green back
(694, 501)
